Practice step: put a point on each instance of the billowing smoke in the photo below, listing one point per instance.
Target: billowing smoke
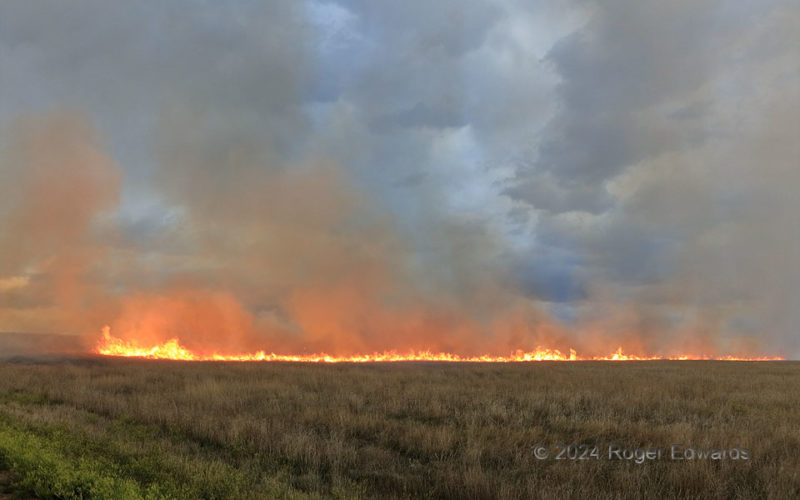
(57, 184)
(468, 177)
(676, 138)
(288, 259)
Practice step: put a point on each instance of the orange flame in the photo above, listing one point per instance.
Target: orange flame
(173, 350)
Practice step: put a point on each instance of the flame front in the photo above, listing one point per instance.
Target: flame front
(173, 350)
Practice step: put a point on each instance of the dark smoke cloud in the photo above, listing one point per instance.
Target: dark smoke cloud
(656, 178)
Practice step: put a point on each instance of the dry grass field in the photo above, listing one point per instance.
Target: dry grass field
(107, 428)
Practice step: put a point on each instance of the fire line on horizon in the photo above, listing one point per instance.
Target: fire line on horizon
(173, 350)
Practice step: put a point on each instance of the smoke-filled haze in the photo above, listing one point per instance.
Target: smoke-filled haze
(352, 176)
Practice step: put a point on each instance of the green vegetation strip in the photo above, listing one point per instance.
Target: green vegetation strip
(48, 473)
(50, 461)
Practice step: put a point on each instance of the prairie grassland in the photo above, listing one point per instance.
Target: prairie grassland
(128, 429)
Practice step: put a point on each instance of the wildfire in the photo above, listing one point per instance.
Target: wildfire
(173, 350)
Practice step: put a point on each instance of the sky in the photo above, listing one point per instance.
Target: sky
(351, 176)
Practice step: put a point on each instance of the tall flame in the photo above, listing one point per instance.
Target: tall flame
(173, 350)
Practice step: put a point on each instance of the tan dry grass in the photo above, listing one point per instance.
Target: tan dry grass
(421, 430)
